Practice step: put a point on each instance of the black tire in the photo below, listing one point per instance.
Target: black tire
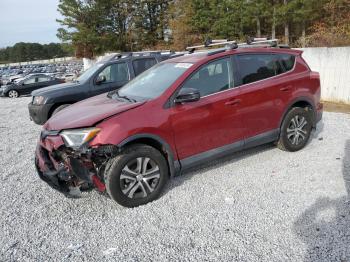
(13, 94)
(114, 182)
(292, 137)
(61, 107)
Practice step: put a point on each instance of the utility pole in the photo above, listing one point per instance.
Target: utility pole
(286, 25)
(274, 22)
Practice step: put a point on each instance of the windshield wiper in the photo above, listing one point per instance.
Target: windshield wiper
(111, 93)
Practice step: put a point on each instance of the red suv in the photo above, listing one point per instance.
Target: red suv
(180, 113)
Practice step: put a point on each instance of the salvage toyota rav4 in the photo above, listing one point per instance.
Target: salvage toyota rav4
(180, 113)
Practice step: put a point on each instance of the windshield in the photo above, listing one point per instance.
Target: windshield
(153, 82)
(89, 72)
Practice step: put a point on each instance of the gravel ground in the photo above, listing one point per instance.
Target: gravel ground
(259, 205)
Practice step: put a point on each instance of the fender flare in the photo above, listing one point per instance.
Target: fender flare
(174, 165)
(296, 100)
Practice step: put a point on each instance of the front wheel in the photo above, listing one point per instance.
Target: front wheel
(296, 129)
(136, 176)
(13, 94)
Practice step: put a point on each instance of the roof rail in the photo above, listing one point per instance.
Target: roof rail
(210, 43)
(229, 45)
(138, 53)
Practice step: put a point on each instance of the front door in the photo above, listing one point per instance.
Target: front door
(214, 121)
(29, 85)
(116, 75)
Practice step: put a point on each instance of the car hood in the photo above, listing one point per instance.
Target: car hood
(12, 85)
(88, 112)
(54, 88)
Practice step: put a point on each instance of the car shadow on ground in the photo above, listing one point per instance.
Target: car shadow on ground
(317, 133)
(212, 165)
(325, 226)
(230, 159)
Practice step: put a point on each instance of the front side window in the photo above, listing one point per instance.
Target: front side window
(214, 77)
(122, 72)
(255, 67)
(115, 72)
(141, 65)
(29, 81)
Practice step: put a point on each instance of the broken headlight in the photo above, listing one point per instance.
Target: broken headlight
(78, 137)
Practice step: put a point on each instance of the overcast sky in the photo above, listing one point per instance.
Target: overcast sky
(28, 21)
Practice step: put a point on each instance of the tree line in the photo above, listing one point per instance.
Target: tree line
(22, 52)
(92, 27)
(96, 26)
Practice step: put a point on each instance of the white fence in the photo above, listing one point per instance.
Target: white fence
(333, 64)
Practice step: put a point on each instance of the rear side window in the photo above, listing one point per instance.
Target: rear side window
(43, 79)
(141, 65)
(255, 67)
(287, 61)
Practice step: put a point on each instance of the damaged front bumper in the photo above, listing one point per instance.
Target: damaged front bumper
(71, 171)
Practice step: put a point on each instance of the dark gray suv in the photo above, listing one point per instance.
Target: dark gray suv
(105, 76)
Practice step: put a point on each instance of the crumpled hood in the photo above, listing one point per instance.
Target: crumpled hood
(88, 112)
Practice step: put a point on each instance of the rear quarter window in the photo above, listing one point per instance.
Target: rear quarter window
(287, 61)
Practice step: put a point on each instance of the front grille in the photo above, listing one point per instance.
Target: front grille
(46, 157)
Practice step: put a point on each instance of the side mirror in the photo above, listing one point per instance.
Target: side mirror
(100, 79)
(187, 95)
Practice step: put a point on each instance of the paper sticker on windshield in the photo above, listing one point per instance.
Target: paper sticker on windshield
(183, 65)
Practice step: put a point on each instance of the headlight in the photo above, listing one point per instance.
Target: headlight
(78, 137)
(38, 100)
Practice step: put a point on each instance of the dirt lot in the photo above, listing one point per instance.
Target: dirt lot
(259, 205)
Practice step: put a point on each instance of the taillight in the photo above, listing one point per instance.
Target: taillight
(315, 75)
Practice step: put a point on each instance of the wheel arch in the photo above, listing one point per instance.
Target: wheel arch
(158, 143)
(300, 102)
(13, 89)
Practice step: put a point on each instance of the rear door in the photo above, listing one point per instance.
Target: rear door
(264, 87)
(215, 120)
(43, 81)
(116, 76)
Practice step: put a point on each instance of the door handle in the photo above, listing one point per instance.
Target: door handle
(285, 88)
(233, 102)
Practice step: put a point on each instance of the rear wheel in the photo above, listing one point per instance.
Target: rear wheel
(296, 129)
(13, 94)
(136, 176)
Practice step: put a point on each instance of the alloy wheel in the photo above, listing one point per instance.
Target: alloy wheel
(13, 94)
(297, 131)
(139, 178)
